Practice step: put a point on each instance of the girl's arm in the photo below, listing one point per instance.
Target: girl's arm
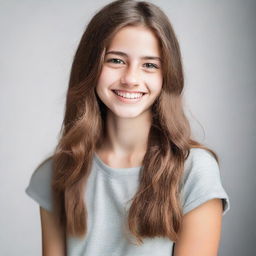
(53, 236)
(201, 230)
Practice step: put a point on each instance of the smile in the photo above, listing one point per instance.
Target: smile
(128, 97)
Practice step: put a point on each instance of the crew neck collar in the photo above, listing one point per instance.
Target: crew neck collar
(116, 171)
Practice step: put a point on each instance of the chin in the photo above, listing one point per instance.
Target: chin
(127, 115)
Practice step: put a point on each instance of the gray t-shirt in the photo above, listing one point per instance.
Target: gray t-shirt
(107, 193)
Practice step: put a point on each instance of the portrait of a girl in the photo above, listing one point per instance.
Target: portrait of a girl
(127, 178)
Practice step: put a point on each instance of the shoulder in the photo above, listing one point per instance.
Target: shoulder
(200, 156)
(200, 161)
(201, 180)
(43, 171)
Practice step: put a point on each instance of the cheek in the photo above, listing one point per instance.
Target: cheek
(107, 77)
(156, 83)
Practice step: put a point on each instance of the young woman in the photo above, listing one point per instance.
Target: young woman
(126, 178)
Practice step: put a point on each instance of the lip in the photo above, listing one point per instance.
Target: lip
(128, 91)
(126, 100)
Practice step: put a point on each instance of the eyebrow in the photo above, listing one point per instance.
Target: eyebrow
(143, 57)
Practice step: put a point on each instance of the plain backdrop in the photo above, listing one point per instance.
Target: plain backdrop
(38, 40)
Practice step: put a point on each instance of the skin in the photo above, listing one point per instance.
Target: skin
(201, 230)
(126, 68)
(53, 235)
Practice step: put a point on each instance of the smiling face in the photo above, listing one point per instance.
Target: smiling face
(131, 77)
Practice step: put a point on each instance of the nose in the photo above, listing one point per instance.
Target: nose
(130, 76)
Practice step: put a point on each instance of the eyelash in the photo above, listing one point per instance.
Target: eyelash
(115, 59)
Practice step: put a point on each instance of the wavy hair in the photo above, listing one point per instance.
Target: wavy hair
(155, 207)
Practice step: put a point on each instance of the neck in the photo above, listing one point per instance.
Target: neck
(126, 137)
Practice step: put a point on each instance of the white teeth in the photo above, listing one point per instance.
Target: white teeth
(129, 95)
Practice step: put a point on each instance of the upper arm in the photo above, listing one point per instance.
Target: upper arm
(53, 236)
(201, 230)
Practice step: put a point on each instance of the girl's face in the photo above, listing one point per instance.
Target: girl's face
(131, 77)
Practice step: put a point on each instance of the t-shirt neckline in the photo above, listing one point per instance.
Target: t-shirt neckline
(116, 171)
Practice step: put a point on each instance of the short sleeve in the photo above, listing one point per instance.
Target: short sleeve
(202, 181)
(39, 188)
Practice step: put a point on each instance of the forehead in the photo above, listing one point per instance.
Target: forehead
(135, 40)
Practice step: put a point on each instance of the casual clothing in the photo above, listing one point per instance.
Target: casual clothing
(107, 193)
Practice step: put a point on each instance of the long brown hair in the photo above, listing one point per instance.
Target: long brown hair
(155, 208)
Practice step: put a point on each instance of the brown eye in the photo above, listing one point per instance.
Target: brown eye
(151, 65)
(116, 61)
